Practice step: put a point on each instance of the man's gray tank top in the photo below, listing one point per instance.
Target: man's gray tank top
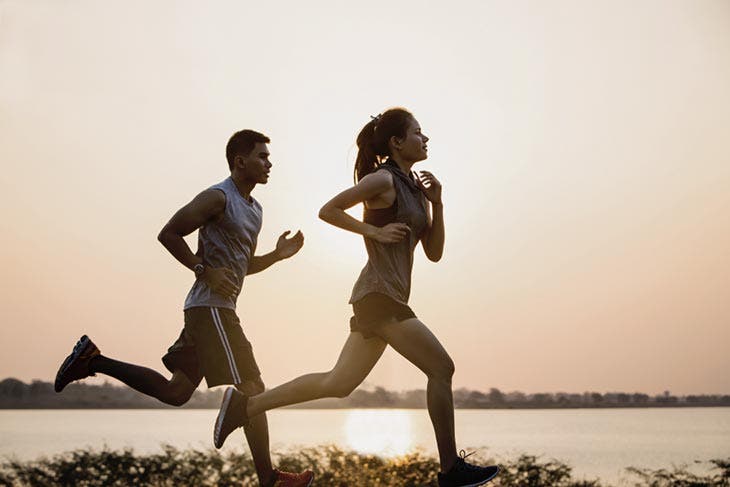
(229, 241)
(388, 270)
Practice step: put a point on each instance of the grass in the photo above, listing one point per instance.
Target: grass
(333, 467)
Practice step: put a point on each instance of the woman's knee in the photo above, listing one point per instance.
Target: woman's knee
(334, 387)
(341, 390)
(443, 370)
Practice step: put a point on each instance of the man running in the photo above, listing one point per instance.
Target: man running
(212, 343)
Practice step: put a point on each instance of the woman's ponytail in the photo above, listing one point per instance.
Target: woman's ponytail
(367, 158)
(372, 141)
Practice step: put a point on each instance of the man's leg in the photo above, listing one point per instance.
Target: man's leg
(175, 391)
(227, 357)
(257, 436)
(86, 360)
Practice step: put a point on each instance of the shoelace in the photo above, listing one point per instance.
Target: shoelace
(463, 455)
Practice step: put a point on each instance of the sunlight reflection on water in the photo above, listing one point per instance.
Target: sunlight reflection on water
(596, 443)
(381, 431)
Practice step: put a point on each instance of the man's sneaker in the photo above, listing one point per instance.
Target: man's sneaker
(76, 365)
(288, 479)
(232, 415)
(464, 474)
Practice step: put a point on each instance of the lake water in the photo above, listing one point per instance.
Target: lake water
(595, 442)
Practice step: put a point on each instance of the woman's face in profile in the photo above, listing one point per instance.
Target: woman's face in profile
(413, 146)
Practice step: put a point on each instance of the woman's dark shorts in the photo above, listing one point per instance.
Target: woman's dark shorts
(374, 310)
(212, 345)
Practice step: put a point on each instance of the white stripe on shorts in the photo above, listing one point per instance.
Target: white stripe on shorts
(226, 345)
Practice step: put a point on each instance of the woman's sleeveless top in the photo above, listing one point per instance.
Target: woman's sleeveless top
(388, 270)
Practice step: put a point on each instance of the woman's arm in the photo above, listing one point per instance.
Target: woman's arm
(368, 188)
(434, 236)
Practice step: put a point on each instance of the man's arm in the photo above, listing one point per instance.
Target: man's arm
(204, 207)
(285, 248)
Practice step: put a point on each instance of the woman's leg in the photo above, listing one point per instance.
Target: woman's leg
(357, 358)
(415, 342)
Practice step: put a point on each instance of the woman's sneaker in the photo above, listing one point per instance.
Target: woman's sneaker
(231, 416)
(464, 474)
(76, 365)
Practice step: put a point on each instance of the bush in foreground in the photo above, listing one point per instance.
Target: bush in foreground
(333, 467)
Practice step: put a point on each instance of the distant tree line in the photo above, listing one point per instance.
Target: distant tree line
(15, 394)
(464, 398)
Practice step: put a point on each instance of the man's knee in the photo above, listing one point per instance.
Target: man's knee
(177, 396)
(179, 389)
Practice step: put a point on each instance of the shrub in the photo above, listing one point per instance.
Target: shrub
(333, 467)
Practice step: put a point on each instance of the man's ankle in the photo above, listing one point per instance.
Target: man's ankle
(268, 480)
(94, 362)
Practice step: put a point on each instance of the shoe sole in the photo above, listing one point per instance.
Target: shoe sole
(219, 420)
(86, 343)
(482, 482)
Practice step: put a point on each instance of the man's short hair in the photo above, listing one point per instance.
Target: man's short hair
(242, 143)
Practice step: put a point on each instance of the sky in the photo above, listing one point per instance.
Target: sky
(582, 146)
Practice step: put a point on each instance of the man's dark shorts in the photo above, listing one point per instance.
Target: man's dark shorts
(375, 310)
(212, 345)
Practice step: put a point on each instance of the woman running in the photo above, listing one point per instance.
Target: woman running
(401, 209)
